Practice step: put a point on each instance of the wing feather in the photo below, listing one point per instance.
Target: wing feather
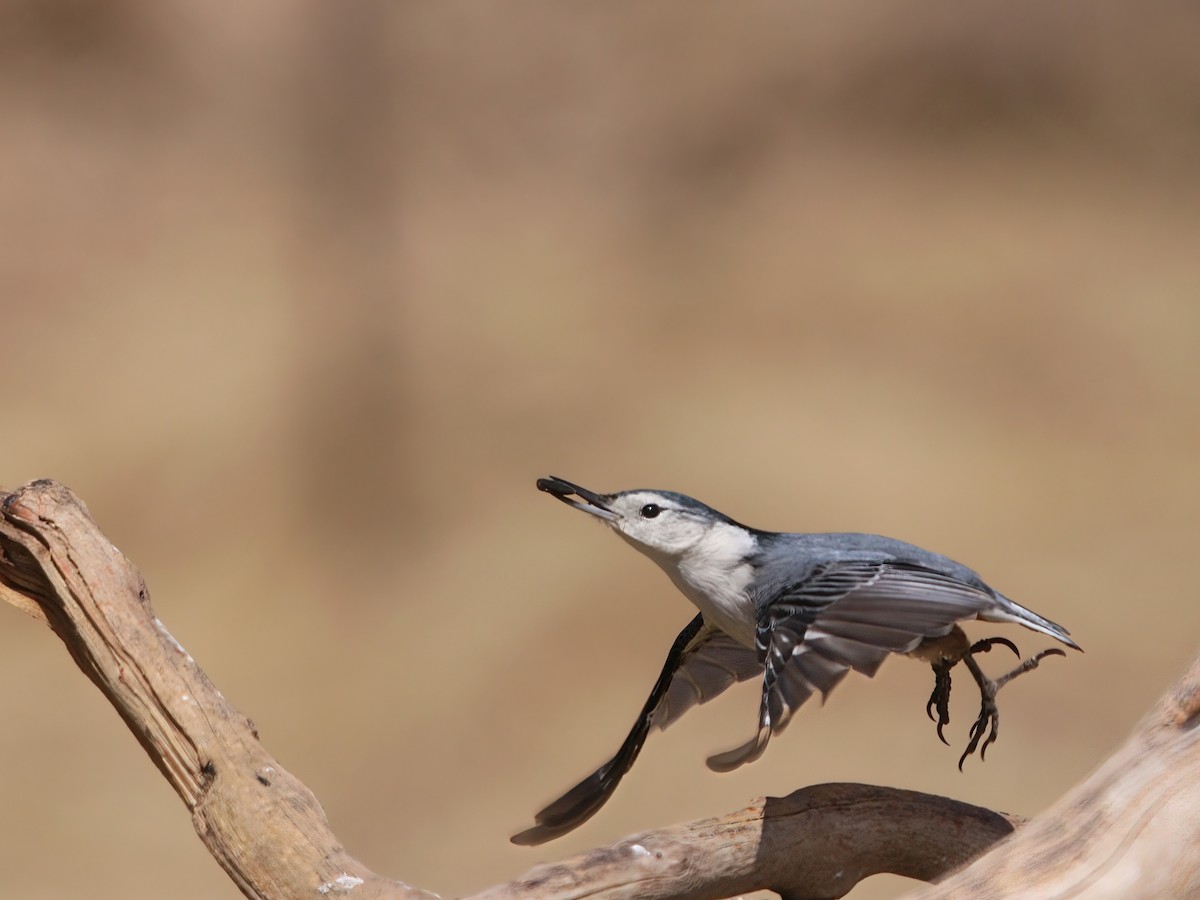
(713, 663)
(702, 663)
(847, 615)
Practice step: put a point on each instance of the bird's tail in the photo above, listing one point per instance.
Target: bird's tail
(1008, 611)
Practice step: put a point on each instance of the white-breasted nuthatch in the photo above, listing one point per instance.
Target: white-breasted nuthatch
(799, 610)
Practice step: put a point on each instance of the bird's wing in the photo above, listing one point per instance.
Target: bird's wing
(711, 663)
(702, 663)
(843, 616)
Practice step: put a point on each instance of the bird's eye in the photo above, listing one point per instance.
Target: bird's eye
(650, 510)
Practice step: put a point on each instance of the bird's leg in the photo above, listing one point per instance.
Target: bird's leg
(944, 658)
(942, 654)
(989, 713)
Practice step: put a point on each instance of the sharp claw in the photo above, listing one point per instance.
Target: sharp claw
(939, 699)
(987, 643)
(940, 720)
(989, 716)
(990, 740)
(970, 749)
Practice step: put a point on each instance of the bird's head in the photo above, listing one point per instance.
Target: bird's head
(659, 523)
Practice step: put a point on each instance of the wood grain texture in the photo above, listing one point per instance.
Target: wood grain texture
(1130, 830)
(261, 824)
(819, 841)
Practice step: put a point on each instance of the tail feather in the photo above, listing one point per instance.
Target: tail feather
(1008, 611)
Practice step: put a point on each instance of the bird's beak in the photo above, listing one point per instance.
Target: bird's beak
(587, 501)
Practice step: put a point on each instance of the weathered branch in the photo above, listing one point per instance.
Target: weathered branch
(817, 842)
(1130, 830)
(262, 825)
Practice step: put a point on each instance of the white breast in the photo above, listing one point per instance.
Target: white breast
(713, 574)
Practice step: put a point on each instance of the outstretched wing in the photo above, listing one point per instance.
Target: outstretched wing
(713, 662)
(702, 663)
(846, 615)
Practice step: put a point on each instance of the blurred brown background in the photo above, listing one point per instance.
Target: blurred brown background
(301, 298)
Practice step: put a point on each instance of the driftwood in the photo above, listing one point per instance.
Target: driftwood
(1130, 830)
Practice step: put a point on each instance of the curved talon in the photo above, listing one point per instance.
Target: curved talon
(989, 715)
(991, 740)
(940, 700)
(941, 721)
(986, 644)
(992, 734)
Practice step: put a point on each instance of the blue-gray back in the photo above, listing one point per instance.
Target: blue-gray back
(785, 559)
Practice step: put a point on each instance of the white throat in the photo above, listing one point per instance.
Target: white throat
(713, 574)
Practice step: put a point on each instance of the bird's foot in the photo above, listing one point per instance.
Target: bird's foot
(939, 699)
(989, 714)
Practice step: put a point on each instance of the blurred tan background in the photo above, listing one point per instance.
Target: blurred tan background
(301, 298)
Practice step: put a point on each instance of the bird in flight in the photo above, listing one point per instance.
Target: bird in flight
(797, 610)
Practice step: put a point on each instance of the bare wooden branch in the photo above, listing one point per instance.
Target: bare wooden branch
(262, 825)
(1131, 830)
(818, 842)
